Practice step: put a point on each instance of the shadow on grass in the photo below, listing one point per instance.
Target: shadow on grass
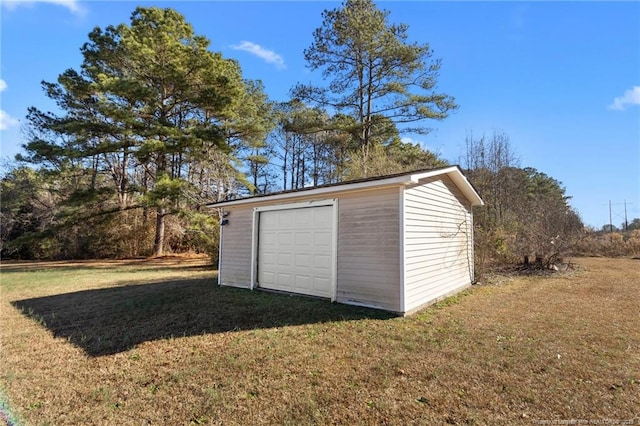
(112, 320)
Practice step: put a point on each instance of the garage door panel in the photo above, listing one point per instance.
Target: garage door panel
(285, 219)
(321, 238)
(321, 262)
(269, 239)
(303, 284)
(269, 258)
(268, 278)
(284, 280)
(301, 240)
(322, 218)
(284, 259)
(269, 220)
(302, 261)
(303, 218)
(322, 286)
(285, 239)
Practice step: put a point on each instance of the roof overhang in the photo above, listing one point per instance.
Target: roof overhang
(453, 172)
(456, 175)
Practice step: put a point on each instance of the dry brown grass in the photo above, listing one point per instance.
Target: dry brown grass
(84, 345)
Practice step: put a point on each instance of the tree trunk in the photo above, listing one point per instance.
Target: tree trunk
(158, 243)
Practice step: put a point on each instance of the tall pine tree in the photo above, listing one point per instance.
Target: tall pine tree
(373, 71)
(152, 107)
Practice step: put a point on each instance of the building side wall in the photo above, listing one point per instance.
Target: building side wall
(438, 244)
(437, 257)
(235, 256)
(368, 265)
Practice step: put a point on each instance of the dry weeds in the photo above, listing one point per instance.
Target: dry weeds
(133, 344)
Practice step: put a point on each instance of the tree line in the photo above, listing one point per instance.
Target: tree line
(154, 125)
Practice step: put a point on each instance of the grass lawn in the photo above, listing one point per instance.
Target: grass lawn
(157, 342)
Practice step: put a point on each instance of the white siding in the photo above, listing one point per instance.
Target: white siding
(398, 248)
(235, 257)
(368, 245)
(438, 242)
(368, 265)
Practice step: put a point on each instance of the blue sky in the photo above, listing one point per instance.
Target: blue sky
(561, 79)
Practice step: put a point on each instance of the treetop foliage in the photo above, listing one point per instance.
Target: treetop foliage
(373, 71)
(527, 213)
(153, 125)
(150, 113)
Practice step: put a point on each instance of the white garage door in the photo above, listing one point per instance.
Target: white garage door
(294, 250)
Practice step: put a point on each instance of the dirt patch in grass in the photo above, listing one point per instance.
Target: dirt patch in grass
(131, 345)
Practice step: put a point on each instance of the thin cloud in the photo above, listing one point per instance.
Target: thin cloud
(630, 97)
(517, 23)
(267, 55)
(517, 19)
(421, 144)
(72, 5)
(407, 139)
(6, 120)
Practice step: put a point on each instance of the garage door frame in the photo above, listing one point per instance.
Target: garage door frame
(302, 205)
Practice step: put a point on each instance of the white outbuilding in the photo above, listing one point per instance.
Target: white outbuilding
(396, 242)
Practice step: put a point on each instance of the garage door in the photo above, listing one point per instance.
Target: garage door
(294, 250)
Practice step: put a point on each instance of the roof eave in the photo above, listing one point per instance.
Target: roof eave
(454, 172)
(456, 175)
(394, 181)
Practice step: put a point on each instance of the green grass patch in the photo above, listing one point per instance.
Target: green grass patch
(148, 343)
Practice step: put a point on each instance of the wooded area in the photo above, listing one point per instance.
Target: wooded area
(153, 126)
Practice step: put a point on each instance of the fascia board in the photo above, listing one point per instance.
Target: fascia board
(458, 178)
(398, 180)
(453, 172)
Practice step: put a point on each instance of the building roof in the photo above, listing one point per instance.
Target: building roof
(404, 178)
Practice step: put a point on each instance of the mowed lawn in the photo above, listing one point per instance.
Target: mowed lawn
(158, 342)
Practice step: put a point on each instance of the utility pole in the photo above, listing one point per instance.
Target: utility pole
(626, 224)
(610, 219)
